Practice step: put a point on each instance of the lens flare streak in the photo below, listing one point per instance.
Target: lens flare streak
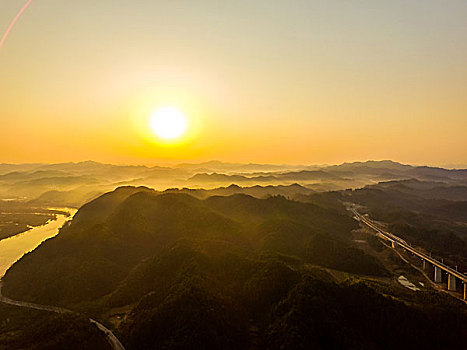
(13, 23)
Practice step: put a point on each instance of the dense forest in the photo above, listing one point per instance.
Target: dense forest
(23, 329)
(170, 271)
(431, 215)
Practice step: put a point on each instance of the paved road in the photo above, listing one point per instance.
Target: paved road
(393, 238)
(111, 338)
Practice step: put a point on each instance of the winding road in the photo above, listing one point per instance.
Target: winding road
(111, 338)
(13, 248)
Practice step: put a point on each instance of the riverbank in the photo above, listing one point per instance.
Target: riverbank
(13, 248)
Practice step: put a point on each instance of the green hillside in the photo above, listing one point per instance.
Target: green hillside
(170, 271)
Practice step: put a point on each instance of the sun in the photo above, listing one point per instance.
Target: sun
(168, 123)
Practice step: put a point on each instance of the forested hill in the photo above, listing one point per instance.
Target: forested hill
(170, 271)
(112, 234)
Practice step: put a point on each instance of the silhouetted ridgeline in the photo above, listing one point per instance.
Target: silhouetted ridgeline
(429, 214)
(73, 184)
(112, 234)
(229, 272)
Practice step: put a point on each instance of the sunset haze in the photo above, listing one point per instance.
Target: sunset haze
(305, 82)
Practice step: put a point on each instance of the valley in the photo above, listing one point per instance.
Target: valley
(261, 267)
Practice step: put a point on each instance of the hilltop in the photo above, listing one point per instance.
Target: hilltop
(74, 184)
(172, 271)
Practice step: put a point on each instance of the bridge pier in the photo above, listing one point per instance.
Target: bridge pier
(438, 277)
(451, 283)
(428, 262)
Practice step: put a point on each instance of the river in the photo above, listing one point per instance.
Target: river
(13, 248)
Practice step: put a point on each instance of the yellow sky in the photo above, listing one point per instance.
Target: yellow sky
(261, 81)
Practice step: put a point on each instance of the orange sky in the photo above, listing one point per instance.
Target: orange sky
(261, 81)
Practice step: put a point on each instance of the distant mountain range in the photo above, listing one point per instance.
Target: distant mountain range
(232, 256)
(74, 183)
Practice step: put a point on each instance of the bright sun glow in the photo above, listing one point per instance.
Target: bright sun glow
(168, 123)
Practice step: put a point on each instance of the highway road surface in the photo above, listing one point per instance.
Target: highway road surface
(111, 338)
(399, 241)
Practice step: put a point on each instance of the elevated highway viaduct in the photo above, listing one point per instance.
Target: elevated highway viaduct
(439, 267)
